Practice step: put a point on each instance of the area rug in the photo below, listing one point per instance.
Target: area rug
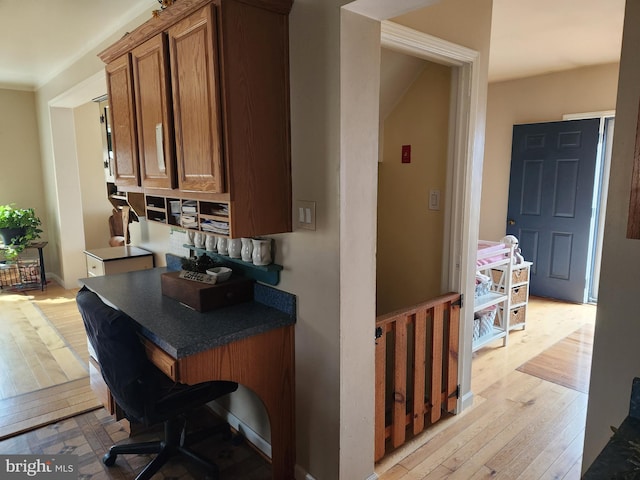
(90, 435)
(567, 363)
(43, 379)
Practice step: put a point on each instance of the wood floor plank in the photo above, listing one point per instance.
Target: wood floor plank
(69, 364)
(552, 451)
(469, 459)
(35, 409)
(575, 472)
(397, 472)
(36, 355)
(44, 395)
(512, 460)
(476, 418)
(567, 362)
(440, 473)
(484, 473)
(564, 463)
(46, 380)
(437, 451)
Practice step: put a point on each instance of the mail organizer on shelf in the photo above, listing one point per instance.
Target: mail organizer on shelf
(204, 297)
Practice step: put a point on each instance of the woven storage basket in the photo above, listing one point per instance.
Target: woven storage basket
(518, 294)
(483, 322)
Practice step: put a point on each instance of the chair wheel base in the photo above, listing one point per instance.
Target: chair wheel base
(109, 459)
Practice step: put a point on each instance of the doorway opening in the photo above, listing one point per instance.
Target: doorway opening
(600, 194)
(445, 184)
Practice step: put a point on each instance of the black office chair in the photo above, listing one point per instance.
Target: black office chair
(144, 393)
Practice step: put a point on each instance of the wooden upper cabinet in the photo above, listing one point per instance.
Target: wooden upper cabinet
(194, 80)
(154, 119)
(214, 75)
(123, 122)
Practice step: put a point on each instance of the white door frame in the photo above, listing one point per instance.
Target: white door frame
(464, 160)
(600, 194)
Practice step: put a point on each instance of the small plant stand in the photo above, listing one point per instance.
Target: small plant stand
(24, 274)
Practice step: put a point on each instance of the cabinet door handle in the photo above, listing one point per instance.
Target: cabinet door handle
(160, 148)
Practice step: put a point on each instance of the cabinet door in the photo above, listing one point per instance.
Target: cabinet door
(194, 81)
(154, 113)
(123, 128)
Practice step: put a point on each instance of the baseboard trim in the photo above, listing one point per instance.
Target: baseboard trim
(247, 432)
(255, 439)
(466, 401)
(53, 277)
(301, 474)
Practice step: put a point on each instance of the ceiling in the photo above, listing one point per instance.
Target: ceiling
(40, 38)
(530, 37)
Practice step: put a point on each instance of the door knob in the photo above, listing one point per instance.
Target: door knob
(511, 221)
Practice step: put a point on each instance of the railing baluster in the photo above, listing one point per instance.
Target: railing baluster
(420, 341)
(400, 384)
(381, 379)
(452, 363)
(436, 362)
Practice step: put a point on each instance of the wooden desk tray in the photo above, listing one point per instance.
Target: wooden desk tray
(204, 297)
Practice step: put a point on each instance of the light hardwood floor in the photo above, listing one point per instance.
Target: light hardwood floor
(33, 353)
(42, 381)
(519, 426)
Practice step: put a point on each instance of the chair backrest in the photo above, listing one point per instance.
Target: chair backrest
(121, 355)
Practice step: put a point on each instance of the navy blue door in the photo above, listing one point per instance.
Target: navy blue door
(551, 203)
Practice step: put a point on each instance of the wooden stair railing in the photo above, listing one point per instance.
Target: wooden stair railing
(416, 369)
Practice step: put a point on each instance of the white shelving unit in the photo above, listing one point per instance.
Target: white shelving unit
(509, 291)
(518, 294)
(495, 257)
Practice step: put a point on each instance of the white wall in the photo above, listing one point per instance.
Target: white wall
(67, 179)
(96, 209)
(616, 356)
(410, 235)
(21, 178)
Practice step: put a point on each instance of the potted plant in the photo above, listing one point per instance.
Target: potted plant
(18, 228)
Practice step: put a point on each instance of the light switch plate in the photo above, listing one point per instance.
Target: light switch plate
(434, 199)
(306, 214)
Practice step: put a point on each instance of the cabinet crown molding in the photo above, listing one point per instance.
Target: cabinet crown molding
(174, 13)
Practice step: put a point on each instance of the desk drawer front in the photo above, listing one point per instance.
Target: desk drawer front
(128, 264)
(95, 267)
(165, 362)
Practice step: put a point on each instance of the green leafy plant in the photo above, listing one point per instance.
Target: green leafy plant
(21, 226)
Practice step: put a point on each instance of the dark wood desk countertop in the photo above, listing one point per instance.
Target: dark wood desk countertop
(177, 329)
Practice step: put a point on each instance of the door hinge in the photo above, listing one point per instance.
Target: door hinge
(459, 302)
(456, 392)
(378, 334)
(102, 119)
